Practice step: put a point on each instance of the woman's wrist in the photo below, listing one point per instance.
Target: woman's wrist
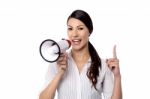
(60, 74)
(117, 77)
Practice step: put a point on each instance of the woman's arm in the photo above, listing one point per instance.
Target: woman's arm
(49, 91)
(117, 90)
(113, 64)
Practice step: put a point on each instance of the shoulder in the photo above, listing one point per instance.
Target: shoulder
(104, 67)
(103, 64)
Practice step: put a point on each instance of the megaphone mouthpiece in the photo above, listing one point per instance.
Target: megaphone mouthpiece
(69, 42)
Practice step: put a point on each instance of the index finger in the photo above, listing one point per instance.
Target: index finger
(114, 52)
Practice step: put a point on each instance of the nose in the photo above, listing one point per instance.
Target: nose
(75, 33)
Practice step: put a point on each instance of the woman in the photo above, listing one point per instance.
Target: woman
(81, 73)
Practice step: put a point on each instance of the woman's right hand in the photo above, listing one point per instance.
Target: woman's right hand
(62, 63)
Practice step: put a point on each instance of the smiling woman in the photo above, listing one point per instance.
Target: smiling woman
(81, 73)
(78, 34)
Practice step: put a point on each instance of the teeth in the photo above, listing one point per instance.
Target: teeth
(76, 40)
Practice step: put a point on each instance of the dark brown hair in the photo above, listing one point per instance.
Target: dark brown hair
(93, 71)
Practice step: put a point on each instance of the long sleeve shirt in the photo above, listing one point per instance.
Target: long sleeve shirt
(75, 85)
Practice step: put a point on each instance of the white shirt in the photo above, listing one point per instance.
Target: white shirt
(75, 85)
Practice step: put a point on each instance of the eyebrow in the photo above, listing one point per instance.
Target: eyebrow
(77, 26)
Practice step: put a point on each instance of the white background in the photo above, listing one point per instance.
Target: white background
(24, 24)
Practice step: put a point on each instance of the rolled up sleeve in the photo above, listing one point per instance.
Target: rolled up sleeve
(51, 72)
(108, 83)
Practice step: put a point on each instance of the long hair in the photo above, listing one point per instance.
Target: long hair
(93, 70)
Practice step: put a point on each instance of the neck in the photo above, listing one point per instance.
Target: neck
(81, 55)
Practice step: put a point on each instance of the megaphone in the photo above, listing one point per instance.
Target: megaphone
(50, 50)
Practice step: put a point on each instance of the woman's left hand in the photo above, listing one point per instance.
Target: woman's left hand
(113, 63)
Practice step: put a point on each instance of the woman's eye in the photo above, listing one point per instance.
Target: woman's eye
(80, 28)
(69, 28)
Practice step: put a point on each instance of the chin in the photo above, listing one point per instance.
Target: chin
(78, 48)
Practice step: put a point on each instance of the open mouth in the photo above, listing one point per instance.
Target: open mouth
(76, 41)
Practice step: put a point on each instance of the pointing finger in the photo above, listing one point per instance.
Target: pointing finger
(114, 52)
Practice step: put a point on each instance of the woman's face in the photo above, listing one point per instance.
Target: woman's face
(78, 34)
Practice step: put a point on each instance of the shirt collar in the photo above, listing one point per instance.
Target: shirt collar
(70, 57)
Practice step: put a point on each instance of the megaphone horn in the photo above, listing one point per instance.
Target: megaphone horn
(50, 50)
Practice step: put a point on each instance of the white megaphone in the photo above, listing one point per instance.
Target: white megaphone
(51, 50)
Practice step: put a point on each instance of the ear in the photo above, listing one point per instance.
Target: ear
(89, 34)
